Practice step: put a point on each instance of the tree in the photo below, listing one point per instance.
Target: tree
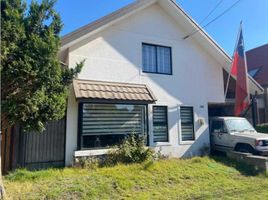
(34, 83)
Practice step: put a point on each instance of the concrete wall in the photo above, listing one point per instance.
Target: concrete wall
(115, 55)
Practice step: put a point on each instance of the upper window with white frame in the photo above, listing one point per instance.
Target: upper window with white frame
(156, 59)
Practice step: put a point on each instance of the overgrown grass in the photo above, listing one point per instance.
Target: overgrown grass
(196, 178)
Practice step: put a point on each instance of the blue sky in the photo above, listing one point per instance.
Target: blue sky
(254, 14)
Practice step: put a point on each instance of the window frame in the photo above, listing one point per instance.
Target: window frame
(224, 131)
(155, 46)
(180, 129)
(80, 119)
(167, 141)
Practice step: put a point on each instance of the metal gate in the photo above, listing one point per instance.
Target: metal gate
(43, 150)
(33, 150)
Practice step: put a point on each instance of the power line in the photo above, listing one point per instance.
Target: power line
(217, 5)
(223, 13)
(211, 11)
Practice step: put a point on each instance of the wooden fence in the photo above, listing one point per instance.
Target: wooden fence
(7, 149)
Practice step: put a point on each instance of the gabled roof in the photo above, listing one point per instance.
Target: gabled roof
(176, 12)
(104, 22)
(257, 60)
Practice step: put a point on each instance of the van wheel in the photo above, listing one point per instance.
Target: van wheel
(244, 148)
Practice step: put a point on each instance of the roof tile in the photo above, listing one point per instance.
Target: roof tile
(88, 89)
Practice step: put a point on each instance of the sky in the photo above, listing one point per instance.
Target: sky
(253, 13)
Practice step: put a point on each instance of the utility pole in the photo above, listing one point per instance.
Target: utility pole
(253, 110)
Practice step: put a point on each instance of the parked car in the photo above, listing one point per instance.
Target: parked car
(236, 134)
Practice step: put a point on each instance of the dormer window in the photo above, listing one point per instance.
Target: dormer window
(156, 59)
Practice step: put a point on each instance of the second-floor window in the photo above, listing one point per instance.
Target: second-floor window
(156, 59)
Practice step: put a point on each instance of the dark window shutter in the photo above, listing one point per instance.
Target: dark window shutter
(160, 124)
(187, 123)
(106, 124)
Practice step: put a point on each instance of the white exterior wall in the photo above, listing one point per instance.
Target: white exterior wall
(115, 54)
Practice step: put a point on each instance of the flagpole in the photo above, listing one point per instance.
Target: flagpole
(246, 66)
(227, 84)
(228, 80)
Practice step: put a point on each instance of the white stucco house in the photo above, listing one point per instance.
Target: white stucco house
(140, 76)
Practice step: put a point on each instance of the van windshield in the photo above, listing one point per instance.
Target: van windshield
(239, 125)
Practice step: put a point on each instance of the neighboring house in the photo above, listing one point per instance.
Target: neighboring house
(257, 61)
(141, 76)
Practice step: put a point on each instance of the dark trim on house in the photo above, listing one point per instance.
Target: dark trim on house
(147, 124)
(80, 119)
(171, 64)
(167, 125)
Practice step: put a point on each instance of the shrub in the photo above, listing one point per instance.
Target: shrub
(130, 150)
(90, 162)
(262, 128)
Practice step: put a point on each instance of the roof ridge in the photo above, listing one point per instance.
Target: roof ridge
(132, 92)
(120, 84)
(257, 47)
(103, 20)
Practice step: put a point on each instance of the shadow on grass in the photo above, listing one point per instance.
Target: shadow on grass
(244, 169)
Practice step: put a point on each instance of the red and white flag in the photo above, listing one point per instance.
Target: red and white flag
(239, 71)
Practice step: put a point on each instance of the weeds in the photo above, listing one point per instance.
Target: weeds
(195, 178)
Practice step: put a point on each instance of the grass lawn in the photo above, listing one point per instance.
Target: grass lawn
(196, 178)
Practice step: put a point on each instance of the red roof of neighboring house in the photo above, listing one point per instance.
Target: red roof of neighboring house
(257, 62)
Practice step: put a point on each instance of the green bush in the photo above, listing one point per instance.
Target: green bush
(130, 150)
(262, 128)
(90, 162)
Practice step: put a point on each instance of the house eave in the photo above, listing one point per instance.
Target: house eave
(104, 22)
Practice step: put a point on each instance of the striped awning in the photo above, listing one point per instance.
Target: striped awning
(100, 90)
